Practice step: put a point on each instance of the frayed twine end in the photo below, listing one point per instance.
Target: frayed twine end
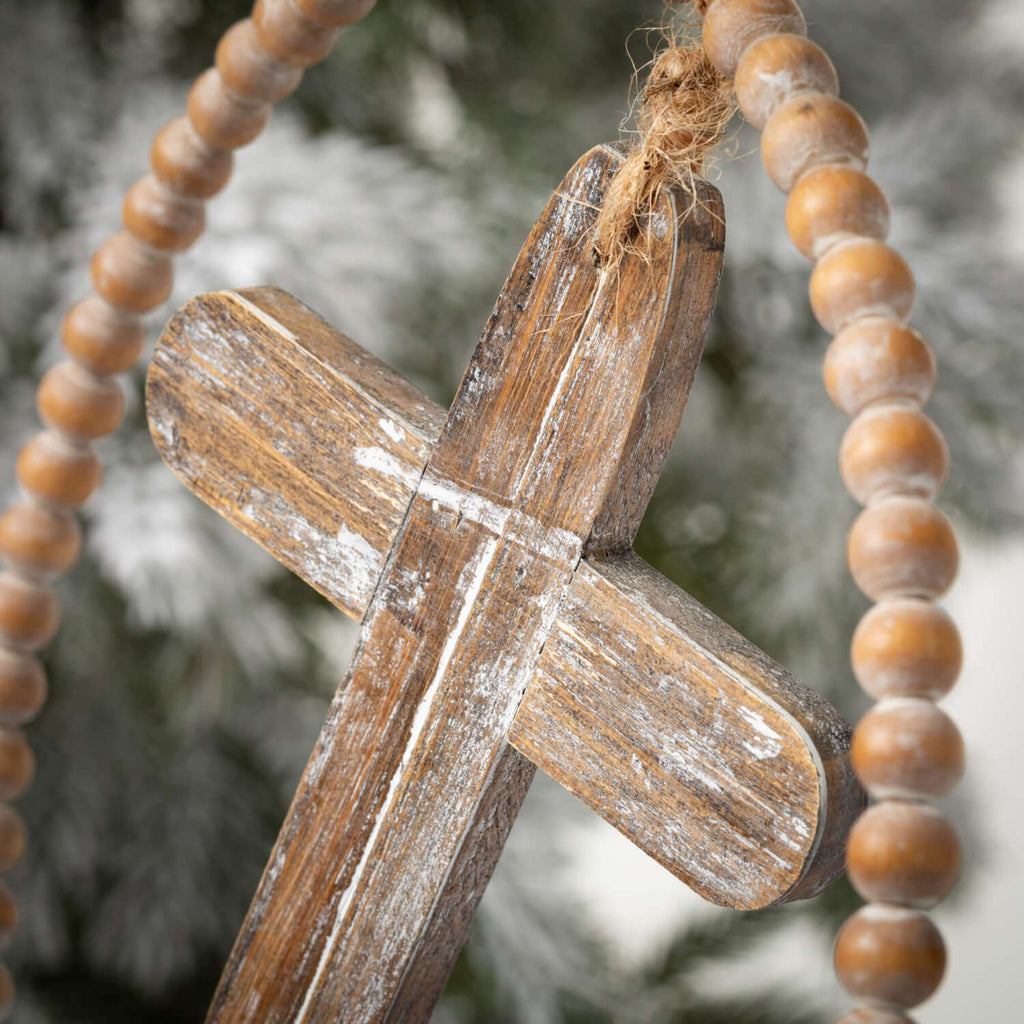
(685, 109)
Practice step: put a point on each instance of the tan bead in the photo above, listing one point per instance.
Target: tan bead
(22, 687)
(906, 648)
(890, 955)
(902, 547)
(39, 539)
(249, 70)
(877, 359)
(17, 764)
(832, 203)
(289, 35)
(859, 278)
(730, 26)
(809, 131)
(6, 992)
(8, 917)
(161, 217)
(777, 68)
(103, 338)
(871, 1015)
(905, 747)
(29, 612)
(130, 275)
(893, 449)
(57, 471)
(13, 838)
(220, 116)
(72, 400)
(186, 164)
(903, 853)
(336, 13)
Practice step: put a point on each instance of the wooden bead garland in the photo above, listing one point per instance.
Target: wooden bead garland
(905, 747)
(160, 217)
(890, 955)
(22, 687)
(902, 547)
(878, 359)
(811, 130)
(902, 552)
(893, 449)
(906, 648)
(102, 338)
(258, 62)
(832, 203)
(777, 68)
(38, 540)
(188, 165)
(903, 853)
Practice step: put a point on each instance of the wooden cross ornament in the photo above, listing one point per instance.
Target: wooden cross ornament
(506, 622)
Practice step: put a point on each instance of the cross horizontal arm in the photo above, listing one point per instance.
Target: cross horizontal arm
(293, 432)
(727, 771)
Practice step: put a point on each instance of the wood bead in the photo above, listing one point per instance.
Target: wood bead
(17, 764)
(902, 547)
(57, 471)
(29, 612)
(809, 131)
(906, 648)
(22, 687)
(6, 993)
(221, 117)
(8, 916)
(858, 278)
(877, 359)
(13, 838)
(832, 203)
(893, 449)
(249, 70)
(160, 217)
(72, 400)
(103, 338)
(187, 164)
(890, 955)
(905, 747)
(730, 26)
(871, 1015)
(289, 35)
(775, 69)
(336, 13)
(130, 275)
(903, 853)
(39, 539)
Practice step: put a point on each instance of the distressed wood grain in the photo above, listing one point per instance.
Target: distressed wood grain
(481, 601)
(296, 434)
(640, 690)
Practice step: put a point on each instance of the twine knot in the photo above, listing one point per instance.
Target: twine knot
(685, 108)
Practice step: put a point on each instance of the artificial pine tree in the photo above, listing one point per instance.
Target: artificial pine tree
(191, 673)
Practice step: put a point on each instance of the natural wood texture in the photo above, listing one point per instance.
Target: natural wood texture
(313, 447)
(479, 596)
(641, 691)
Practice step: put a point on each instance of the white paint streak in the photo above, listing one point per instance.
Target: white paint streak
(380, 461)
(261, 314)
(392, 429)
(471, 581)
(345, 564)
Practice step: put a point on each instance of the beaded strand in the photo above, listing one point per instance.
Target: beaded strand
(259, 61)
(902, 856)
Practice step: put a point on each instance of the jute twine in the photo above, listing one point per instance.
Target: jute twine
(685, 108)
